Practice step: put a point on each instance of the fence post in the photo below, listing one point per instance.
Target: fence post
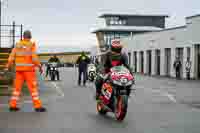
(13, 34)
(0, 22)
(21, 31)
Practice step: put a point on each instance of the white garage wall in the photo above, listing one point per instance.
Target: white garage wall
(179, 37)
(193, 29)
(183, 36)
(157, 40)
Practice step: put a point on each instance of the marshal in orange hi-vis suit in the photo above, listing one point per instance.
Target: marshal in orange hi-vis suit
(26, 60)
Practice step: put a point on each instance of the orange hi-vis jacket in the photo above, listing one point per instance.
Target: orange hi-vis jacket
(24, 56)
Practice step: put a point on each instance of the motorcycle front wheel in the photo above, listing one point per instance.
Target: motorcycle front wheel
(91, 78)
(121, 107)
(52, 76)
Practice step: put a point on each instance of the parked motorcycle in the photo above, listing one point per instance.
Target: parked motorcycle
(115, 92)
(91, 72)
(53, 71)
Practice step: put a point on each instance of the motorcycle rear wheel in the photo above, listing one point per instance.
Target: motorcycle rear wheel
(100, 109)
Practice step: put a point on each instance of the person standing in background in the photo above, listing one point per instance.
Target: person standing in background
(82, 62)
(177, 66)
(188, 68)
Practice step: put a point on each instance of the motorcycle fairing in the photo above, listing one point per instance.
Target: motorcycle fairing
(107, 91)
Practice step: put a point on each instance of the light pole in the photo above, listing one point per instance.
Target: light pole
(0, 21)
(1, 1)
(1, 4)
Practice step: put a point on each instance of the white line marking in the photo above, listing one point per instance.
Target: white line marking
(60, 92)
(30, 101)
(20, 103)
(171, 97)
(164, 93)
(156, 91)
(160, 92)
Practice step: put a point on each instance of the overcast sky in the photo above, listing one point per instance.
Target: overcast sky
(58, 23)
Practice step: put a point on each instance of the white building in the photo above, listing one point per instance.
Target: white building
(94, 53)
(154, 53)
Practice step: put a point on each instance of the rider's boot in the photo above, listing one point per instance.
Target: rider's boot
(97, 95)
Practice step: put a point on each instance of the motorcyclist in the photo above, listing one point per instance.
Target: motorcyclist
(54, 58)
(82, 62)
(96, 62)
(113, 58)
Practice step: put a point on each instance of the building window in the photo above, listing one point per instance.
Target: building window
(129, 58)
(115, 18)
(117, 21)
(105, 38)
(108, 40)
(112, 22)
(120, 22)
(124, 22)
(188, 52)
(117, 36)
(124, 35)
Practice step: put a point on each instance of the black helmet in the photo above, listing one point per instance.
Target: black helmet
(83, 53)
(27, 34)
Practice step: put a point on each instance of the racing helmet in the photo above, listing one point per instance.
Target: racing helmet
(116, 46)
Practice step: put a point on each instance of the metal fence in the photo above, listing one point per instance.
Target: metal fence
(9, 34)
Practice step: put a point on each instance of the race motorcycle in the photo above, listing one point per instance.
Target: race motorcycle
(53, 71)
(91, 72)
(115, 92)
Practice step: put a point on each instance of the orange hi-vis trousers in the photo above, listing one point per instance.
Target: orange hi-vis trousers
(30, 78)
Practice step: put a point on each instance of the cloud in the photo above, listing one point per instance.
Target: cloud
(68, 22)
(78, 40)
